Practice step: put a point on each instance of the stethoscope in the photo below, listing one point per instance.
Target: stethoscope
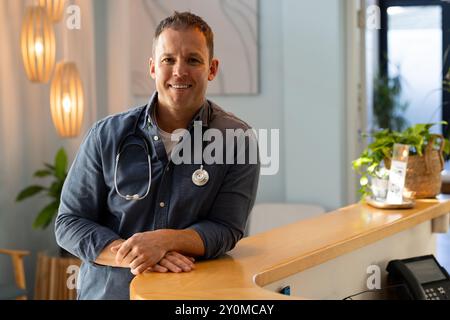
(200, 177)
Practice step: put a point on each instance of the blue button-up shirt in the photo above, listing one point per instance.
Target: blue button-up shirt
(92, 214)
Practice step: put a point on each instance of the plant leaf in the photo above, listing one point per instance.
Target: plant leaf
(363, 181)
(372, 168)
(50, 166)
(42, 173)
(55, 189)
(46, 215)
(446, 149)
(61, 164)
(29, 192)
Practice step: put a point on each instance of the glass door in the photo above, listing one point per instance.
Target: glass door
(413, 42)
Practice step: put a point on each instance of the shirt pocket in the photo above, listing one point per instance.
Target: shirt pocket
(192, 195)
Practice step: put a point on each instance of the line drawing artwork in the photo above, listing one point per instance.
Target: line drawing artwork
(235, 24)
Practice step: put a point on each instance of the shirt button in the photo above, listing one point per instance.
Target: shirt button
(156, 138)
(162, 204)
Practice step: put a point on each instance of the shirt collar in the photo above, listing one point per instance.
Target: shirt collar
(203, 115)
(151, 105)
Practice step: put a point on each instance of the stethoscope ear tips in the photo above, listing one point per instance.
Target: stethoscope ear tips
(133, 197)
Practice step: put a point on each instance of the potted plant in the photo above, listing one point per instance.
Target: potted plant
(58, 172)
(425, 159)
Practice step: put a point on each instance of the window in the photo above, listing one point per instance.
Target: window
(414, 36)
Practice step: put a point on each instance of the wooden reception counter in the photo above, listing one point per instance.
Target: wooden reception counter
(326, 257)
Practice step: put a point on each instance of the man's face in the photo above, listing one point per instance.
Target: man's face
(181, 68)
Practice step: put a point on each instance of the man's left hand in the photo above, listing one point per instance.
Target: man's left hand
(174, 262)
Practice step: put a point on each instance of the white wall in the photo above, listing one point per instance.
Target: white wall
(314, 93)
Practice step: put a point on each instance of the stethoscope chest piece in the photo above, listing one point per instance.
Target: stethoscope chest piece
(200, 177)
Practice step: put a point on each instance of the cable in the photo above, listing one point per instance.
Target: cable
(374, 290)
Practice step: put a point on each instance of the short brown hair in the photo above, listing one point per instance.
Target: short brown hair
(187, 20)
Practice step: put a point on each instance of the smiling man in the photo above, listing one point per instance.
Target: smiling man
(126, 207)
(181, 66)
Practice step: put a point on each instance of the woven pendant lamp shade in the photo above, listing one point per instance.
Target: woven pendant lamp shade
(55, 8)
(38, 45)
(67, 100)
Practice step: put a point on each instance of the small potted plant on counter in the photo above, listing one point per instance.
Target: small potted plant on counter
(423, 175)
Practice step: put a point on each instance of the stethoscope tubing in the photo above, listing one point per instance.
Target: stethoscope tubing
(199, 178)
(135, 196)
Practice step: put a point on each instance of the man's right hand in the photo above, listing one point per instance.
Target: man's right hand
(173, 262)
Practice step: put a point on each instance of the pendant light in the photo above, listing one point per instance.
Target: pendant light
(55, 8)
(38, 45)
(67, 100)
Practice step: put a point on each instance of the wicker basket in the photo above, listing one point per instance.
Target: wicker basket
(423, 174)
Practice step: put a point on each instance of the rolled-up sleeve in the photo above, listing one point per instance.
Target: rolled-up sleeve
(83, 199)
(227, 219)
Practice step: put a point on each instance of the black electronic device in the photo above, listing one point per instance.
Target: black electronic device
(424, 278)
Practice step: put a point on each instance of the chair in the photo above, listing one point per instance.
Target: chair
(17, 291)
(266, 216)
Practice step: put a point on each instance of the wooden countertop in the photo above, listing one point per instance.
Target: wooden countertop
(270, 256)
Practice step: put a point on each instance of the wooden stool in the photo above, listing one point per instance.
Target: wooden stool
(19, 291)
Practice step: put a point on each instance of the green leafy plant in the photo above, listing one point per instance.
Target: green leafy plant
(369, 164)
(387, 107)
(58, 171)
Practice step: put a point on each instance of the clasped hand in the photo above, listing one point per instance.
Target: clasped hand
(147, 252)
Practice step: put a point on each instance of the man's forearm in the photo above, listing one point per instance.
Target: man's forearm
(187, 242)
(108, 258)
